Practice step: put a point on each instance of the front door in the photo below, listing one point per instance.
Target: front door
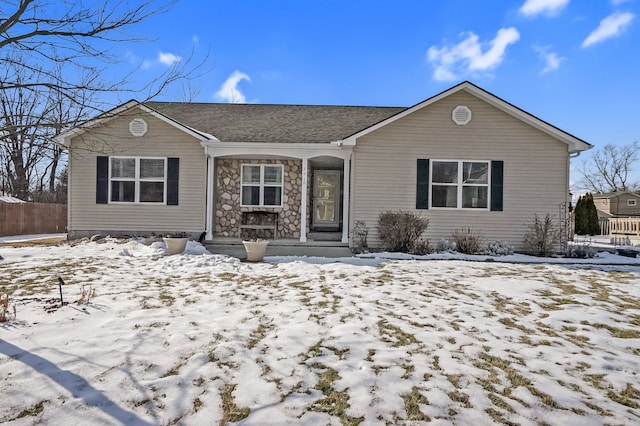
(326, 199)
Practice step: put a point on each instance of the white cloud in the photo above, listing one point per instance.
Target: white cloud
(467, 56)
(551, 59)
(229, 91)
(168, 58)
(548, 7)
(618, 2)
(610, 26)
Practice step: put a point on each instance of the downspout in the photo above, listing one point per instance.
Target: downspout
(69, 174)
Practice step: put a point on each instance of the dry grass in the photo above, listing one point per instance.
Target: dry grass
(629, 396)
(334, 403)
(6, 313)
(87, 293)
(412, 402)
(32, 411)
(394, 334)
(230, 411)
(36, 243)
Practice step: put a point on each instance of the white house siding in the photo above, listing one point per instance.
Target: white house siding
(162, 140)
(535, 169)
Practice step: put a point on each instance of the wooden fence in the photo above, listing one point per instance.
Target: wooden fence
(32, 218)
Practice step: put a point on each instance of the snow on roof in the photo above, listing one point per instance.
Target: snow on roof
(10, 199)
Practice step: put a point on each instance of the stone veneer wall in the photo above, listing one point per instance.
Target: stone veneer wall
(228, 213)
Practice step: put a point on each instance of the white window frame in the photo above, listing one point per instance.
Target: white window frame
(459, 185)
(632, 203)
(262, 184)
(137, 179)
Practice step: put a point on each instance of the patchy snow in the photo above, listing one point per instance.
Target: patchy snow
(200, 339)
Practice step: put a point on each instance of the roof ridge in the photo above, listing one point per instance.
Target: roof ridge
(272, 104)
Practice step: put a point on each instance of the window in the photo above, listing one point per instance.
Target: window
(261, 185)
(460, 184)
(631, 203)
(137, 180)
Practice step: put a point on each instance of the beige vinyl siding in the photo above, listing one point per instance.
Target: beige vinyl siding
(625, 209)
(535, 169)
(114, 139)
(603, 204)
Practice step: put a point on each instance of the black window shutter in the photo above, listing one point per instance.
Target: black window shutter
(497, 186)
(173, 170)
(422, 187)
(102, 180)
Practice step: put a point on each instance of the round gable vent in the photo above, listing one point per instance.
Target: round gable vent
(461, 115)
(138, 127)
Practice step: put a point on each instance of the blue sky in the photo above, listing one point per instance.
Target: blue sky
(575, 64)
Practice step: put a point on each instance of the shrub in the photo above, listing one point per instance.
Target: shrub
(581, 251)
(445, 246)
(360, 234)
(497, 248)
(542, 236)
(401, 230)
(467, 241)
(421, 247)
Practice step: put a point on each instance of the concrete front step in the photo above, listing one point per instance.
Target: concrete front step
(283, 248)
(324, 236)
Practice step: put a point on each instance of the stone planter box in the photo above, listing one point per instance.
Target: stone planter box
(255, 250)
(175, 245)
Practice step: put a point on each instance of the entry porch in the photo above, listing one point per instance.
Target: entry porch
(295, 195)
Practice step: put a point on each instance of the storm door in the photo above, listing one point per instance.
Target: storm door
(326, 199)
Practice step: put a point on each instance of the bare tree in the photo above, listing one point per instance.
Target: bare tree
(609, 169)
(79, 35)
(22, 148)
(55, 56)
(29, 119)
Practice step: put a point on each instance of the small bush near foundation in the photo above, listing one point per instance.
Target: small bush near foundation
(445, 246)
(581, 251)
(360, 234)
(401, 230)
(467, 240)
(497, 248)
(421, 247)
(542, 237)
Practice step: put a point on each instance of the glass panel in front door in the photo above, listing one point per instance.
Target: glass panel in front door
(326, 206)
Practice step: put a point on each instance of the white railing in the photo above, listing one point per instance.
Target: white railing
(604, 226)
(624, 226)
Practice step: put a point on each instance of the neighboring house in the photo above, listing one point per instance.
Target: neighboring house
(461, 158)
(617, 204)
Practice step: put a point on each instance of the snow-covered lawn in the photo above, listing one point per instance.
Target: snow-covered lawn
(200, 339)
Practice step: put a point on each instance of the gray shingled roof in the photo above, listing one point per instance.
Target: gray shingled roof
(275, 123)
